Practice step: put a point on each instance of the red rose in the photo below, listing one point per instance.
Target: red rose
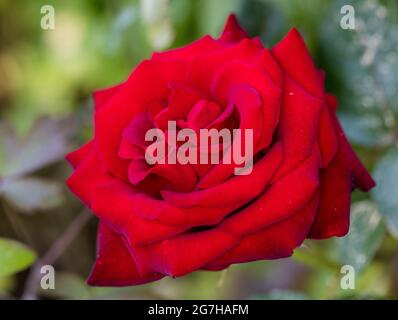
(171, 219)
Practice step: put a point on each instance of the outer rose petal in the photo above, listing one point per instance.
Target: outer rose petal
(203, 69)
(87, 176)
(114, 265)
(344, 173)
(232, 31)
(76, 157)
(101, 97)
(327, 140)
(298, 127)
(295, 59)
(280, 201)
(141, 237)
(275, 241)
(333, 217)
(346, 157)
(114, 203)
(184, 253)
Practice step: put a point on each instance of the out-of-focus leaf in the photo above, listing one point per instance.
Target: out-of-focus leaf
(6, 285)
(366, 232)
(212, 15)
(365, 59)
(303, 14)
(72, 286)
(14, 257)
(385, 193)
(262, 20)
(311, 255)
(156, 16)
(366, 129)
(29, 194)
(44, 144)
(281, 295)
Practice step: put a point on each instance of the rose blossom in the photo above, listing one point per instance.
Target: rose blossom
(172, 219)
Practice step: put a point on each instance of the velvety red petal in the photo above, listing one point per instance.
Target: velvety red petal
(181, 178)
(86, 177)
(346, 158)
(240, 73)
(203, 69)
(333, 216)
(328, 140)
(76, 157)
(247, 103)
(338, 179)
(298, 126)
(114, 203)
(134, 97)
(236, 191)
(101, 97)
(285, 197)
(184, 253)
(233, 31)
(114, 265)
(295, 59)
(275, 241)
(150, 208)
(181, 100)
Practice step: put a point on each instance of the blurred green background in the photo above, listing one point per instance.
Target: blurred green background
(46, 80)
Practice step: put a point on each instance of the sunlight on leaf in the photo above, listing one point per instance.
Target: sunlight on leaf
(14, 257)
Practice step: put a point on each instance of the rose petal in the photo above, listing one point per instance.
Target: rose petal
(232, 31)
(181, 100)
(333, 216)
(328, 140)
(76, 157)
(114, 265)
(101, 97)
(184, 253)
(86, 177)
(292, 54)
(113, 202)
(298, 127)
(280, 201)
(346, 158)
(134, 97)
(236, 191)
(275, 241)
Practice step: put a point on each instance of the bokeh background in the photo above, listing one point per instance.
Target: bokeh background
(46, 80)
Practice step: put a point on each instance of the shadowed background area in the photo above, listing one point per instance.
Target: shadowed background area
(46, 80)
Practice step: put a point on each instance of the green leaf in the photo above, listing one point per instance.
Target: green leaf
(29, 194)
(14, 257)
(366, 129)
(385, 193)
(358, 247)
